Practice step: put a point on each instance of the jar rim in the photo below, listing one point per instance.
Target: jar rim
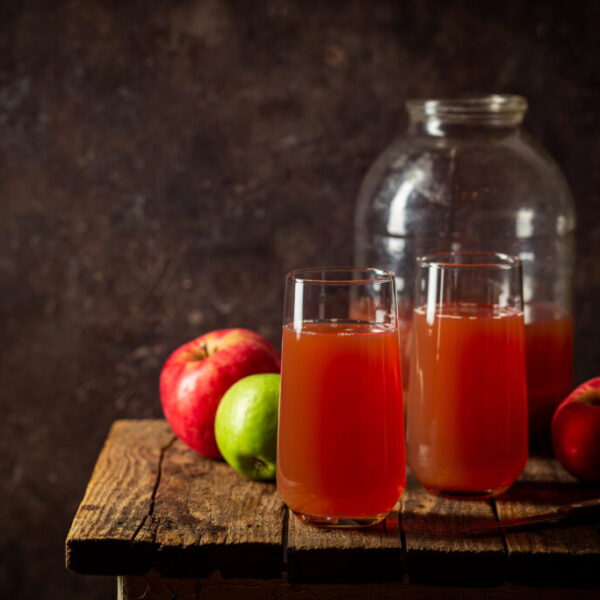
(505, 109)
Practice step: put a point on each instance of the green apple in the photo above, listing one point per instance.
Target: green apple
(246, 425)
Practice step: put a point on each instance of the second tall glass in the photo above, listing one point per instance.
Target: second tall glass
(340, 458)
(467, 405)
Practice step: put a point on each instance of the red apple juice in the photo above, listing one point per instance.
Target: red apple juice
(341, 432)
(549, 351)
(467, 406)
(365, 310)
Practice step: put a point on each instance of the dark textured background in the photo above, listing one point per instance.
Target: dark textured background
(162, 164)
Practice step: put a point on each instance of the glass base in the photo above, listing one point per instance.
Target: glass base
(467, 494)
(341, 522)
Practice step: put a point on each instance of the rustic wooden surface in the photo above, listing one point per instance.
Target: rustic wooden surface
(219, 519)
(436, 548)
(154, 504)
(150, 499)
(560, 554)
(342, 555)
(119, 499)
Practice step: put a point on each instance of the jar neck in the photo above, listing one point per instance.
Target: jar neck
(486, 114)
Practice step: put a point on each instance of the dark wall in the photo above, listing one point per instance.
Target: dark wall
(162, 164)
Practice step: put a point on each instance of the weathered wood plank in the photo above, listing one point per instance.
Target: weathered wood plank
(315, 554)
(153, 503)
(559, 554)
(206, 517)
(437, 551)
(118, 500)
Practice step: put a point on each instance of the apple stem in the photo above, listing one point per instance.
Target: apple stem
(259, 464)
(204, 348)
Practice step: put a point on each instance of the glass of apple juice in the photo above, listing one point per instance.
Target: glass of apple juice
(340, 453)
(466, 416)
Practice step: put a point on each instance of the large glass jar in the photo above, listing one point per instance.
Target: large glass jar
(466, 177)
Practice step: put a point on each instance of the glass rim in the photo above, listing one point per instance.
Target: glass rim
(442, 260)
(303, 275)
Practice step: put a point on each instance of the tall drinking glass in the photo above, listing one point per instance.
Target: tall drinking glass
(467, 408)
(340, 455)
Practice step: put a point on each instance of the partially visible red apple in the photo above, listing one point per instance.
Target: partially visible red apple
(576, 432)
(197, 374)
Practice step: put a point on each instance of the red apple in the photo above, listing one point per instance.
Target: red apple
(576, 432)
(197, 374)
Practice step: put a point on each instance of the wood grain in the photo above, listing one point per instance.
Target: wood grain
(153, 503)
(316, 554)
(206, 517)
(561, 554)
(436, 549)
(118, 500)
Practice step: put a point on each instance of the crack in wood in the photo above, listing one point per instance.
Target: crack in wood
(502, 531)
(284, 537)
(150, 512)
(403, 551)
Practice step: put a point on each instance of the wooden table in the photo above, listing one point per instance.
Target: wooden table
(172, 524)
